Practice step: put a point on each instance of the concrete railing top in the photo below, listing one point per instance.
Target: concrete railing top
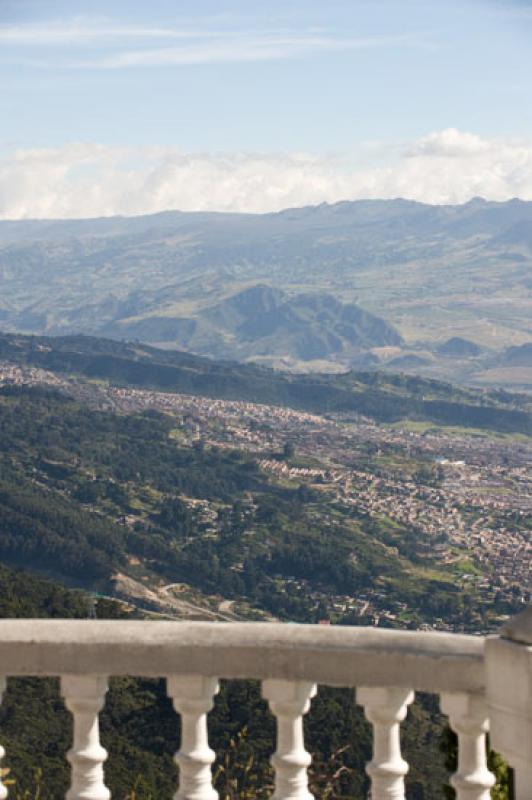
(331, 655)
(519, 628)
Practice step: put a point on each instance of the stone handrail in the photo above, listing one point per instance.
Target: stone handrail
(331, 655)
(384, 666)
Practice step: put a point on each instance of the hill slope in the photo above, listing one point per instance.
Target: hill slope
(87, 493)
(265, 322)
(385, 397)
(430, 271)
(140, 730)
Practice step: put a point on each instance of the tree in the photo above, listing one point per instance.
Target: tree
(289, 450)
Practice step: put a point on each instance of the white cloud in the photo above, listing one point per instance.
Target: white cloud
(87, 31)
(87, 180)
(232, 48)
(91, 43)
(450, 143)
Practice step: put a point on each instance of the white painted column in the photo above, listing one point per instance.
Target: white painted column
(3, 790)
(84, 697)
(386, 708)
(468, 717)
(192, 697)
(289, 701)
(508, 660)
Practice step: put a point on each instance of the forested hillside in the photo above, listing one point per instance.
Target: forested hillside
(92, 496)
(72, 476)
(382, 396)
(141, 731)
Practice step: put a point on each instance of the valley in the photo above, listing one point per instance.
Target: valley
(430, 524)
(365, 284)
(266, 400)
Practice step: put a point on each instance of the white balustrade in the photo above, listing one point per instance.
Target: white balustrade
(386, 708)
(289, 701)
(84, 697)
(478, 679)
(192, 697)
(468, 717)
(3, 790)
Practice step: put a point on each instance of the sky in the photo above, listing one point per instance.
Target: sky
(128, 107)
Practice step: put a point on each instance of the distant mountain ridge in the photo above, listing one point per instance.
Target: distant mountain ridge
(175, 278)
(473, 217)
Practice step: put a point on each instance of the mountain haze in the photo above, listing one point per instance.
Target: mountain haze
(291, 287)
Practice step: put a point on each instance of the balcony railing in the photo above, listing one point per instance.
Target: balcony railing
(483, 683)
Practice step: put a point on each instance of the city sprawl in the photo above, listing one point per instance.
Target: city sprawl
(462, 498)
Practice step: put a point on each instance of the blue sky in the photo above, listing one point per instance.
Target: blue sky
(348, 86)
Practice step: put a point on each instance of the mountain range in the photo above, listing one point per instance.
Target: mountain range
(367, 283)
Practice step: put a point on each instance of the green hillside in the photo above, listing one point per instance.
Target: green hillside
(382, 396)
(87, 494)
(141, 731)
(71, 475)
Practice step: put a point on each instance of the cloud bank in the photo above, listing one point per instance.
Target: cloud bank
(89, 180)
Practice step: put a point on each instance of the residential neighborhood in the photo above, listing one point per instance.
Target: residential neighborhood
(465, 497)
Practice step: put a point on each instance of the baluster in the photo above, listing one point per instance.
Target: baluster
(84, 697)
(3, 790)
(385, 708)
(289, 700)
(468, 717)
(192, 697)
